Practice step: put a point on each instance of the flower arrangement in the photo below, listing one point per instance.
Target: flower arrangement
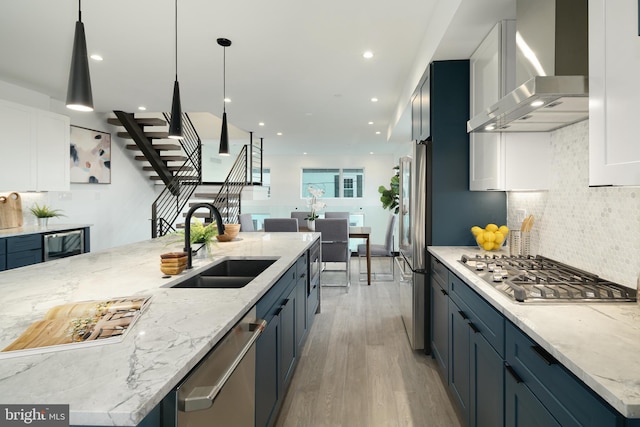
(313, 202)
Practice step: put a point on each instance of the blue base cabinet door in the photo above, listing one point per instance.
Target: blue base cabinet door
(487, 384)
(289, 345)
(267, 362)
(522, 408)
(459, 352)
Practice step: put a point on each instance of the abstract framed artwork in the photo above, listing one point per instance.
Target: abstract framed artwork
(90, 156)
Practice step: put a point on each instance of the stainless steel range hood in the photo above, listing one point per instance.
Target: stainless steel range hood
(552, 61)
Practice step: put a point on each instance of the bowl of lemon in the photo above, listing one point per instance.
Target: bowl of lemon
(491, 237)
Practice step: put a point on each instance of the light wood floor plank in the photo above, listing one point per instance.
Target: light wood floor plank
(357, 369)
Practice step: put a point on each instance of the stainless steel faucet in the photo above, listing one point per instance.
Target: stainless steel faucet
(187, 227)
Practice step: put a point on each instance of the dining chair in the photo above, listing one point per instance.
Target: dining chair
(379, 250)
(246, 222)
(281, 224)
(301, 216)
(335, 245)
(337, 215)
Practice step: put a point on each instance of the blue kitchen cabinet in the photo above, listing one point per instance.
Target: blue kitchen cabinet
(459, 359)
(3, 254)
(23, 250)
(440, 313)
(301, 299)
(522, 408)
(565, 397)
(486, 402)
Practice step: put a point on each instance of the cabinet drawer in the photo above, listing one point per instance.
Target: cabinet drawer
(301, 266)
(268, 304)
(24, 258)
(485, 318)
(3, 247)
(440, 271)
(24, 243)
(566, 397)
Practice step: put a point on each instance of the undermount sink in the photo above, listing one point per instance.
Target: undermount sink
(230, 273)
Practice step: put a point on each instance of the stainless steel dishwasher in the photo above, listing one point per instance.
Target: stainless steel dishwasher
(220, 390)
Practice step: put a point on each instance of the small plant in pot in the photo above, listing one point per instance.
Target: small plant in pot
(44, 212)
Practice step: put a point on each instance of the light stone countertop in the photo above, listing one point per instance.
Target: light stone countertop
(599, 343)
(118, 384)
(36, 229)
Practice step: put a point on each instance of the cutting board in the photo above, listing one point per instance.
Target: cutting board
(11, 211)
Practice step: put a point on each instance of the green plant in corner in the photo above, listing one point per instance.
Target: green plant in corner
(390, 197)
(45, 211)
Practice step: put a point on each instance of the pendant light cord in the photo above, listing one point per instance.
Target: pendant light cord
(224, 79)
(80, 10)
(176, 25)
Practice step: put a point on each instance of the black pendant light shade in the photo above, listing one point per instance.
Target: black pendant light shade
(224, 137)
(175, 125)
(175, 122)
(79, 96)
(223, 149)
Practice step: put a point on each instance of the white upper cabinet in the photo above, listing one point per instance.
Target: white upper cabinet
(614, 92)
(34, 147)
(500, 161)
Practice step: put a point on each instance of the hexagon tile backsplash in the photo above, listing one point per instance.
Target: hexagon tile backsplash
(595, 229)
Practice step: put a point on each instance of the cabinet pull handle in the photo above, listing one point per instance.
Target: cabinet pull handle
(474, 328)
(513, 373)
(543, 354)
(444, 292)
(279, 311)
(463, 315)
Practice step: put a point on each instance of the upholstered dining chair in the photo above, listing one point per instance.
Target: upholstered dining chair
(335, 245)
(281, 224)
(301, 216)
(380, 250)
(330, 215)
(246, 222)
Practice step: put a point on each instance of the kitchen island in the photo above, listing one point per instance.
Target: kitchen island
(120, 383)
(598, 343)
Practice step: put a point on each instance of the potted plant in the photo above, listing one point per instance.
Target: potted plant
(201, 233)
(314, 205)
(390, 197)
(43, 213)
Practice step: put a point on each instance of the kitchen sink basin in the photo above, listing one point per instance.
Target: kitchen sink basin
(230, 273)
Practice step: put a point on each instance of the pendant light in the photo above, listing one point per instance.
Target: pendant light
(224, 133)
(79, 96)
(175, 124)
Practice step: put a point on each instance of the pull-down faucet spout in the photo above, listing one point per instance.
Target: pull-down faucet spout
(187, 227)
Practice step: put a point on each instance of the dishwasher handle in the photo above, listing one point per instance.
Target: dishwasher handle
(202, 398)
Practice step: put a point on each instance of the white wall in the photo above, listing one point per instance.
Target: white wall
(595, 229)
(119, 212)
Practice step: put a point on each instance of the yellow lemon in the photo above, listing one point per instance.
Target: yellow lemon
(496, 245)
(475, 230)
(491, 227)
(499, 237)
(504, 229)
(480, 238)
(489, 236)
(487, 246)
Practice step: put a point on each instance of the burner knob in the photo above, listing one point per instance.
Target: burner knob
(497, 277)
(491, 267)
(480, 266)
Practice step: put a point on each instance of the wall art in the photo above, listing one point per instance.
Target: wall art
(90, 156)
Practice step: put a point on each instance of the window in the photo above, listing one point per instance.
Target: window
(336, 183)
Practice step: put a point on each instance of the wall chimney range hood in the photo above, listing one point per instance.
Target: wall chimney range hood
(552, 65)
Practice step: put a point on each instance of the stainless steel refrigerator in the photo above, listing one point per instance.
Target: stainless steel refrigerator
(412, 231)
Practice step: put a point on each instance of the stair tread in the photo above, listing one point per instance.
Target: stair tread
(171, 168)
(142, 121)
(164, 158)
(159, 147)
(150, 135)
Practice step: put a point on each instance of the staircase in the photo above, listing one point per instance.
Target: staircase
(178, 165)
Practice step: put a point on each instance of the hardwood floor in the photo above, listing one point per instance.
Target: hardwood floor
(357, 368)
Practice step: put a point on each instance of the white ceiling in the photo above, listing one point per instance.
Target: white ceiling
(295, 65)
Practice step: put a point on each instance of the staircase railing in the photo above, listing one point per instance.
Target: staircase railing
(172, 200)
(228, 198)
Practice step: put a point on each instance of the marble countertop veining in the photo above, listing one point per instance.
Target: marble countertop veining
(599, 343)
(118, 384)
(35, 229)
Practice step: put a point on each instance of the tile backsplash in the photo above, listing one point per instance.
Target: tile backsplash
(595, 229)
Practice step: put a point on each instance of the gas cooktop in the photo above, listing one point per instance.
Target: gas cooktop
(541, 279)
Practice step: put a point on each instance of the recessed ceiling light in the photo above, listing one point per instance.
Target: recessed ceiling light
(537, 103)
(378, 132)
(374, 99)
(261, 124)
(368, 54)
(370, 123)
(96, 57)
(305, 153)
(142, 108)
(279, 133)
(370, 152)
